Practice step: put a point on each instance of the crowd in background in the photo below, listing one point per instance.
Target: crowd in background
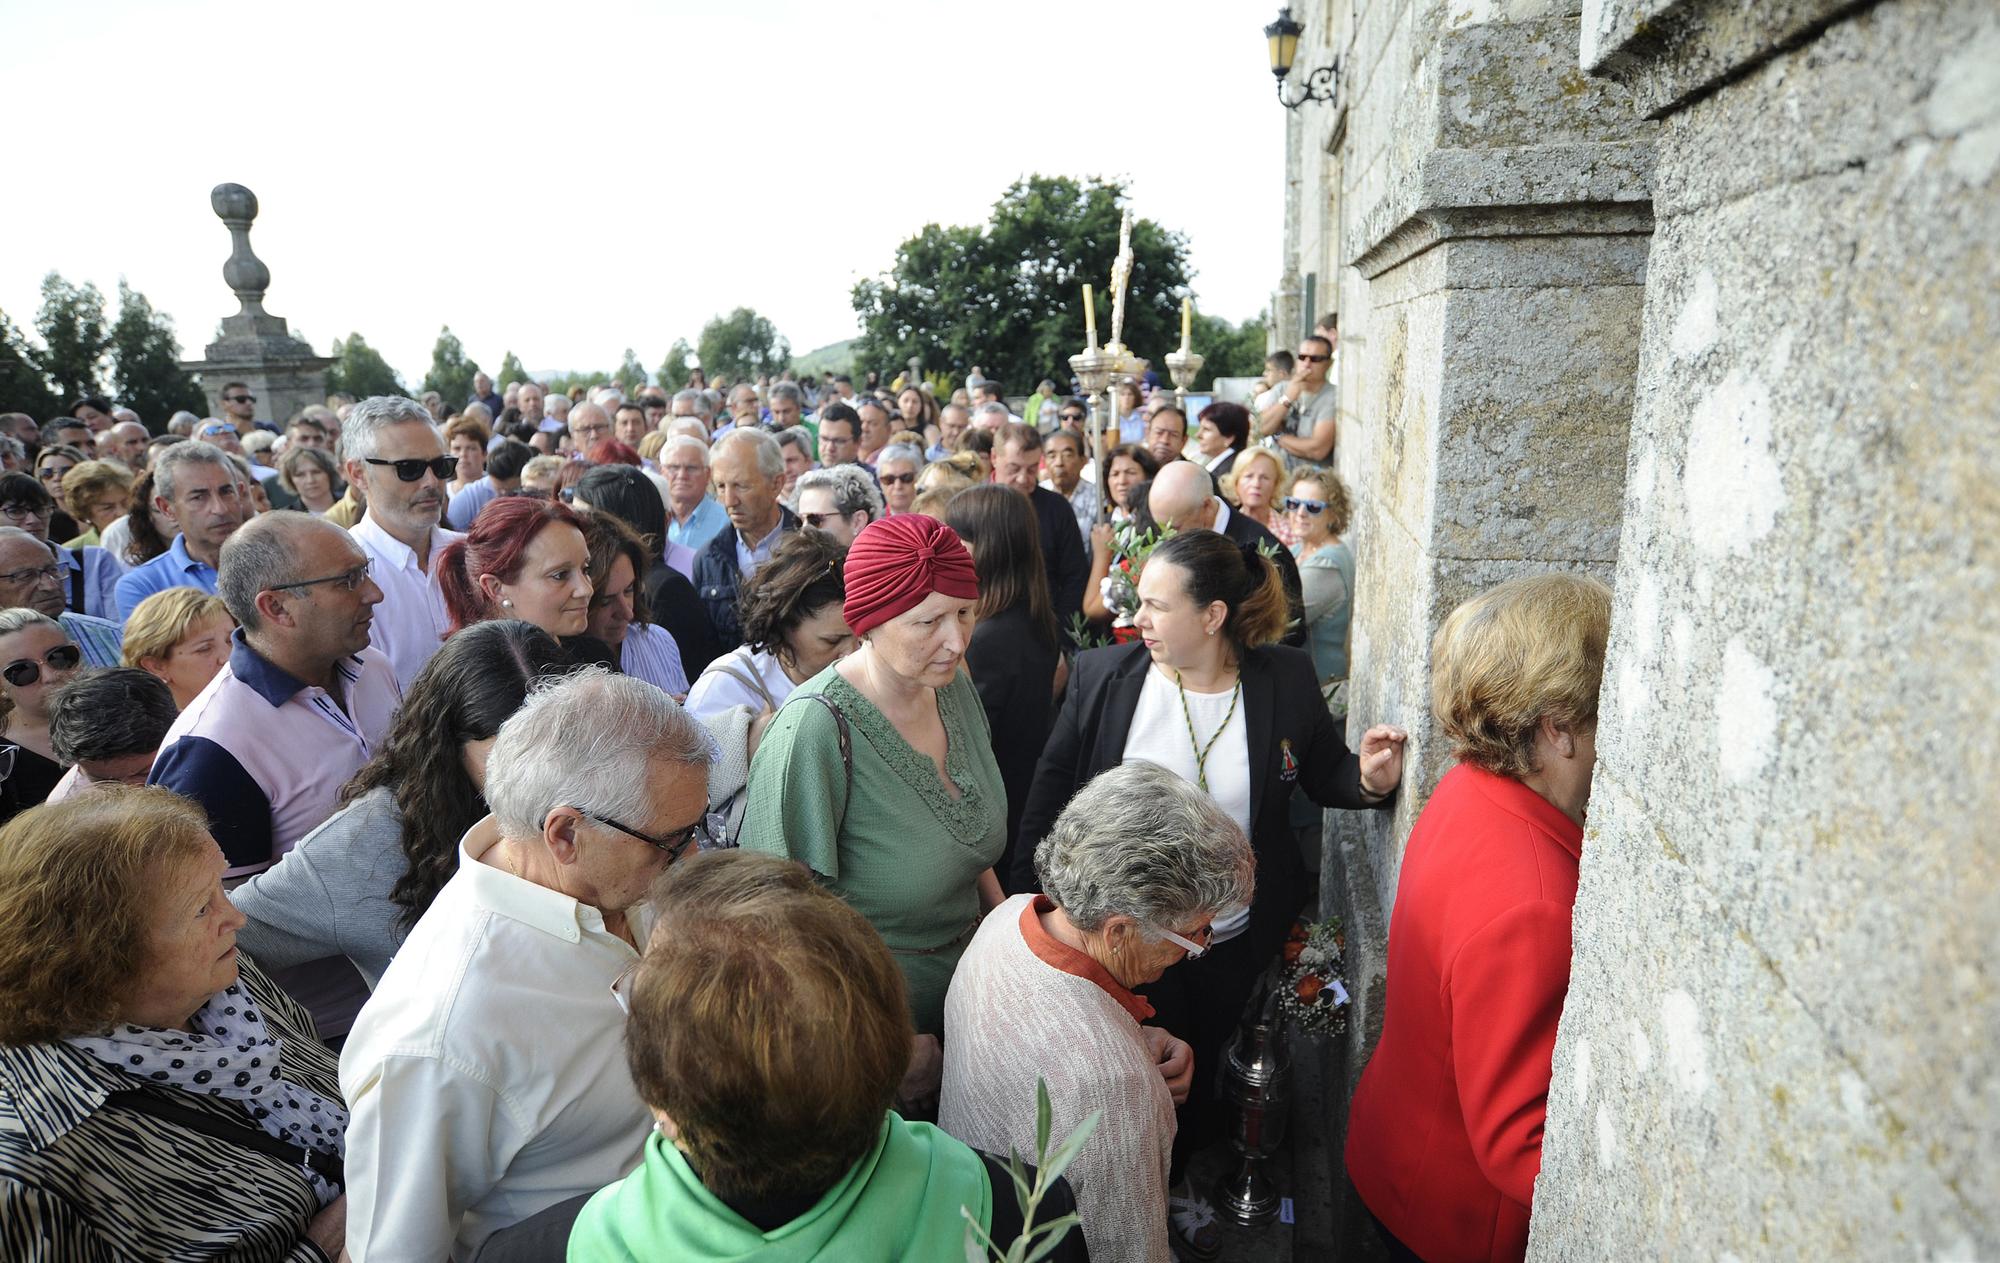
(656, 824)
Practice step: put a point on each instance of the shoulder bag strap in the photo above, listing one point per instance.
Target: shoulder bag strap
(247, 1134)
(846, 737)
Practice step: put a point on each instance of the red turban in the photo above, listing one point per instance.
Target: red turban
(896, 562)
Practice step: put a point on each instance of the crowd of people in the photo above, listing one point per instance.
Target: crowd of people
(691, 824)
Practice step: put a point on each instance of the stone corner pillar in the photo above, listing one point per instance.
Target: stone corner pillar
(256, 348)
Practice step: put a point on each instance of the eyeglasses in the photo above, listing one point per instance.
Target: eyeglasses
(894, 480)
(1315, 359)
(1194, 950)
(818, 520)
(412, 469)
(209, 431)
(22, 512)
(674, 844)
(27, 671)
(239, 399)
(1295, 503)
(349, 580)
(1071, 416)
(53, 571)
(49, 473)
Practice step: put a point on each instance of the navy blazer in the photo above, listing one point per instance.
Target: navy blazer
(716, 580)
(1293, 742)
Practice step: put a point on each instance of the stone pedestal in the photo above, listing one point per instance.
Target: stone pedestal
(1780, 1030)
(255, 347)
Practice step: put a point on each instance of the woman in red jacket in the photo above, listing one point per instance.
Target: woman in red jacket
(1445, 1134)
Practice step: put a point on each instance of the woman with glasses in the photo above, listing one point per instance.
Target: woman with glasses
(1257, 487)
(897, 469)
(1318, 508)
(311, 475)
(1133, 873)
(1210, 694)
(91, 583)
(50, 466)
(36, 658)
(354, 886)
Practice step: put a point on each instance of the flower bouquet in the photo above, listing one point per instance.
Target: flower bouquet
(1311, 988)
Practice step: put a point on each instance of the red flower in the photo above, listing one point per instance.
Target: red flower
(1124, 635)
(1309, 988)
(1293, 950)
(1298, 934)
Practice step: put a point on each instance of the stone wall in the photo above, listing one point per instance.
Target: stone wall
(1780, 1036)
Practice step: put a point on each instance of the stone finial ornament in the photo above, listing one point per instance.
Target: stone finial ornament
(244, 272)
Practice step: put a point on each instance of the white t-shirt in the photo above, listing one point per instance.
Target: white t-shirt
(1159, 735)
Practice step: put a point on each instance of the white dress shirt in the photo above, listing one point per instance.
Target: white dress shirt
(486, 1076)
(722, 684)
(410, 622)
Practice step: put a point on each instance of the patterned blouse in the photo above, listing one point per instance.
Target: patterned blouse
(84, 1181)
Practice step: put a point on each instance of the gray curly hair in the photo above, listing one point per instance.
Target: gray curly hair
(1140, 841)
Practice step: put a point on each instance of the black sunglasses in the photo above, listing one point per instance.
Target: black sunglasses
(1072, 416)
(1294, 503)
(1315, 359)
(27, 671)
(674, 844)
(891, 480)
(412, 469)
(239, 399)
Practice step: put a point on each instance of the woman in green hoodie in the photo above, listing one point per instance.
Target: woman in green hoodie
(768, 1032)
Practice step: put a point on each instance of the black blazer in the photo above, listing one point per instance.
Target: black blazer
(1247, 531)
(1217, 474)
(1015, 675)
(1293, 743)
(716, 579)
(1063, 552)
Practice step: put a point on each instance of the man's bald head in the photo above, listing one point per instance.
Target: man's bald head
(589, 424)
(1182, 494)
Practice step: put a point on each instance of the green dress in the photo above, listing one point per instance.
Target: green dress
(897, 846)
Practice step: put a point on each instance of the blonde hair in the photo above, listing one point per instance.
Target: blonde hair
(651, 442)
(163, 619)
(1281, 482)
(96, 860)
(1528, 650)
(85, 482)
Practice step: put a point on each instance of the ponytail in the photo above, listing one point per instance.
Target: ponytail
(1241, 577)
(463, 600)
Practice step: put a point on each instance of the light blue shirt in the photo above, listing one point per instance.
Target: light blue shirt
(702, 525)
(101, 572)
(171, 569)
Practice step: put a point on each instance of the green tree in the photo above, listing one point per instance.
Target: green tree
(674, 372)
(146, 362)
(359, 370)
(451, 370)
(23, 387)
(511, 371)
(743, 346)
(1006, 295)
(560, 383)
(1228, 350)
(74, 338)
(631, 373)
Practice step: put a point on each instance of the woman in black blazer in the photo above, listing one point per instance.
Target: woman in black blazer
(1209, 694)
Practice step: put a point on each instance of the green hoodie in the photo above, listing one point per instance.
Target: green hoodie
(901, 1201)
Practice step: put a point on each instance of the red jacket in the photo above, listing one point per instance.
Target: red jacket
(1444, 1137)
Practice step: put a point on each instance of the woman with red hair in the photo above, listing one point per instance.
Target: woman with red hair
(878, 773)
(523, 558)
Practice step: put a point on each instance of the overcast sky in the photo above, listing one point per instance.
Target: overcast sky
(569, 179)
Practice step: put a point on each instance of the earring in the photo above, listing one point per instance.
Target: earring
(506, 604)
(1211, 631)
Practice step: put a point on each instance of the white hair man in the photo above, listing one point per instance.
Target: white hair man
(589, 425)
(486, 1076)
(390, 448)
(840, 501)
(1183, 496)
(693, 516)
(482, 393)
(747, 470)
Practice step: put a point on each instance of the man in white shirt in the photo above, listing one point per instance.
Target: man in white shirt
(390, 447)
(486, 1076)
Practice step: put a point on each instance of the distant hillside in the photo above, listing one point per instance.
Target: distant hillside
(837, 358)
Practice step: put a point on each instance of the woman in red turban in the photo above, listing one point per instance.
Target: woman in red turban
(878, 773)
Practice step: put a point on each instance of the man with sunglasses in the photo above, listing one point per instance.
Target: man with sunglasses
(196, 485)
(391, 449)
(33, 576)
(302, 701)
(486, 1075)
(239, 407)
(1300, 420)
